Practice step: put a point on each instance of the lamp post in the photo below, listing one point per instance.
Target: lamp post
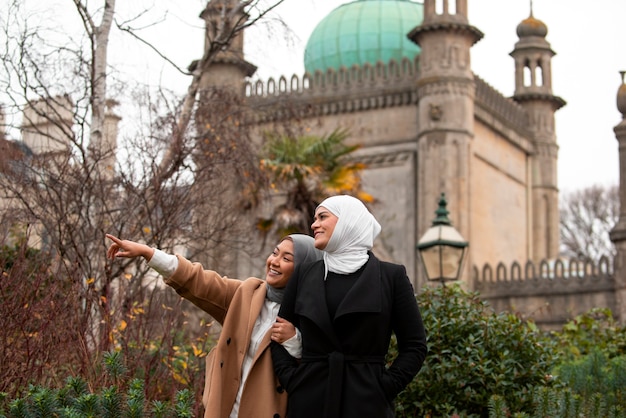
(442, 248)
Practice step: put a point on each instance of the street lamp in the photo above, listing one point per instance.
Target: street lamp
(442, 248)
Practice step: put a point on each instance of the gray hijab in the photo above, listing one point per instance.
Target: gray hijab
(303, 252)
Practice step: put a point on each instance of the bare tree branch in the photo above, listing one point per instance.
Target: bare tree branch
(234, 20)
(587, 217)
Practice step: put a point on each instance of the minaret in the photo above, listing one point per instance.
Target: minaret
(229, 68)
(446, 91)
(533, 90)
(618, 233)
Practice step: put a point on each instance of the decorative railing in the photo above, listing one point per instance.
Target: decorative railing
(507, 110)
(344, 79)
(545, 277)
(385, 84)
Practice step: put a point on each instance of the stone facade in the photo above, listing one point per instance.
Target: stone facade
(431, 125)
(428, 126)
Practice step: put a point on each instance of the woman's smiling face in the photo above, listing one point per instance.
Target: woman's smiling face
(323, 226)
(280, 264)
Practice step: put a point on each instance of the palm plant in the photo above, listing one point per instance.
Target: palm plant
(306, 170)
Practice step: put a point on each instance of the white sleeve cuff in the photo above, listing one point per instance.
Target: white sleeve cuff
(294, 345)
(165, 264)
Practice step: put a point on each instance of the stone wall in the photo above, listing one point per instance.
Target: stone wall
(549, 293)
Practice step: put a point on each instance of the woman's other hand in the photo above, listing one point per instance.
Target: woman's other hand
(282, 330)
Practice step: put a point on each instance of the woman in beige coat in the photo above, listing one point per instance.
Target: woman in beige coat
(240, 380)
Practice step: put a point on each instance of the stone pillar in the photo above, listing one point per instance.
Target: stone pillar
(229, 68)
(446, 91)
(618, 233)
(533, 90)
(108, 147)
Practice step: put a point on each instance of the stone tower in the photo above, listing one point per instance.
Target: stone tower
(108, 147)
(47, 126)
(229, 68)
(533, 90)
(618, 234)
(446, 91)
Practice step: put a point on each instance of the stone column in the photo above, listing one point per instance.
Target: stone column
(618, 234)
(446, 91)
(532, 55)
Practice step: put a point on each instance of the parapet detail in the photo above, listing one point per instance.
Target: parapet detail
(383, 159)
(334, 81)
(363, 87)
(557, 275)
(505, 109)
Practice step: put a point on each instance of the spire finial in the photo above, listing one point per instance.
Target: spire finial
(442, 212)
(531, 8)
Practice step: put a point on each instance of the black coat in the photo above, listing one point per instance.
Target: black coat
(342, 373)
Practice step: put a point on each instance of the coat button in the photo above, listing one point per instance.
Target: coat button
(280, 389)
(228, 341)
(276, 416)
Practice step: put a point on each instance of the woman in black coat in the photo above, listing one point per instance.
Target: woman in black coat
(346, 308)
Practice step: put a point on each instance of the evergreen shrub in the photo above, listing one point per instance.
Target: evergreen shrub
(474, 353)
(596, 376)
(124, 398)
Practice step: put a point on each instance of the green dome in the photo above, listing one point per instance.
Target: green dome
(363, 31)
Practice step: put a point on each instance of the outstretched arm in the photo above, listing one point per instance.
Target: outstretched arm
(128, 249)
(204, 288)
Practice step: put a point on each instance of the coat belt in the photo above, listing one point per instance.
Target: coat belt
(336, 361)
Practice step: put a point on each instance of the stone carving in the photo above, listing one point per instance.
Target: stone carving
(435, 112)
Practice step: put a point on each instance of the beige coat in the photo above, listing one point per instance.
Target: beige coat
(235, 304)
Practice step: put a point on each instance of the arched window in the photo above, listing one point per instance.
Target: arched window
(447, 7)
(528, 76)
(539, 74)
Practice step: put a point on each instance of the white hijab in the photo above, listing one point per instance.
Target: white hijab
(353, 236)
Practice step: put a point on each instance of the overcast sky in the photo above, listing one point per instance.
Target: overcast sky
(587, 37)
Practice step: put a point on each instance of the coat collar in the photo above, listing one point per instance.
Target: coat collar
(364, 296)
(252, 295)
(257, 302)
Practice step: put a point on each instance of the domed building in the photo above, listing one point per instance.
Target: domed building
(397, 75)
(363, 32)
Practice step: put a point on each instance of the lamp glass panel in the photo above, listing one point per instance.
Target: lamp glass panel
(450, 261)
(430, 258)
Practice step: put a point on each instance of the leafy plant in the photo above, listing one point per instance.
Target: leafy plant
(596, 329)
(475, 353)
(307, 169)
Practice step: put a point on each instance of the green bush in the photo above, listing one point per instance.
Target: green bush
(593, 330)
(558, 403)
(474, 354)
(74, 400)
(595, 374)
